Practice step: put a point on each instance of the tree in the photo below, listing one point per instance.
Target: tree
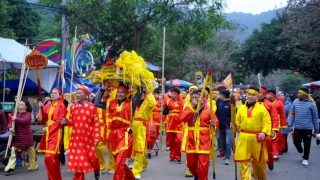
(302, 28)
(18, 20)
(6, 16)
(291, 83)
(188, 21)
(217, 55)
(289, 42)
(262, 49)
(25, 21)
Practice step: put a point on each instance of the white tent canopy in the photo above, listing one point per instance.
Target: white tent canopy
(12, 53)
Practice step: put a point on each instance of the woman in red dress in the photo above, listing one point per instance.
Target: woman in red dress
(52, 137)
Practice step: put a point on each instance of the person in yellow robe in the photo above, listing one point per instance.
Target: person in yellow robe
(71, 98)
(254, 123)
(140, 129)
(104, 132)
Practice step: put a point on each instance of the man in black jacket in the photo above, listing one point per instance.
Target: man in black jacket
(224, 116)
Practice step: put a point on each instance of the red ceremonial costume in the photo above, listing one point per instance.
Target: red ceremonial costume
(174, 127)
(82, 156)
(198, 140)
(279, 142)
(156, 114)
(52, 137)
(120, 139)
(274, 126)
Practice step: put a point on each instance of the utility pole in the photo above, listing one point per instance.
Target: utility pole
(64, 33)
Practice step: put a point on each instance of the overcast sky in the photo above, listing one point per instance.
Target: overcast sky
(253, 6)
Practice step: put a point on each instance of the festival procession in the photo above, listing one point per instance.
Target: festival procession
(158, 99)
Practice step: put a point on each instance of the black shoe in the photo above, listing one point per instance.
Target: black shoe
(271, 167)
(9, 172)
(178, 161)
(317, 142)
(280, 152)
(97, 176)
(285, 151)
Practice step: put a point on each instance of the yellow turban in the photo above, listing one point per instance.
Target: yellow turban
(193, 87)
(73, 95)
(67, 95)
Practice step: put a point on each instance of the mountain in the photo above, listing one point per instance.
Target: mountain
(250, 21)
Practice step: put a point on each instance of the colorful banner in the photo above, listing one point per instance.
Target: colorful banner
(198, 78)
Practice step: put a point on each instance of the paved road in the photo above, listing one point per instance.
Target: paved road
(287, 168)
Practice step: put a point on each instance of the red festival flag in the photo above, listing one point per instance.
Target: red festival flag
(228, 81)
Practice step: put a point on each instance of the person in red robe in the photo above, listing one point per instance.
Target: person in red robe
(156, 112)
(173, 108)
(85, 136)
(52, 137)
(262, 100)
(198, 139)
(120, 137)
(279, 140)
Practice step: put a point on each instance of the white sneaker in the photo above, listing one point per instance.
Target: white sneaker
(275, 157)
(168, 149)
(137, 177)
(305, 162)
(226, 162)
(111, 171)
(157, 140)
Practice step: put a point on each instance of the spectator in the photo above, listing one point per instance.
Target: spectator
(304, 117)
(3, 122)
(285, 131)
(7, 96)
(224, 117)
(318, 108)
(23, 143)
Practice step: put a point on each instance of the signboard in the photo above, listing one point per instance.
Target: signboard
(199, 78)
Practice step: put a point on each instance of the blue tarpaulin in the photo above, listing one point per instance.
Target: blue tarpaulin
(30, 88)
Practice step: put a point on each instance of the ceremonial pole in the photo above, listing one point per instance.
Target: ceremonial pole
(19, 93)
(213, 130)
(73, 54)
(233, 121)
(163, 83)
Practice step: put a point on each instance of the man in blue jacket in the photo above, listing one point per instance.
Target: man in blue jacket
(304, 117)
(224, 116)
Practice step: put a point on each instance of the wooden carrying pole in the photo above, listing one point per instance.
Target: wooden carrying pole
(163, 83)
(200, 99)
(213, 130)
(233, 121)
(19, 93)
(73, 57)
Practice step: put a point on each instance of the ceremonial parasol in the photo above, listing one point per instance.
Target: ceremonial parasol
(152, 67)
(179, 83)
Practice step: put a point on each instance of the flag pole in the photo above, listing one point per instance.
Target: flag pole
(163, 83)
(73, 54)
(213, 129)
